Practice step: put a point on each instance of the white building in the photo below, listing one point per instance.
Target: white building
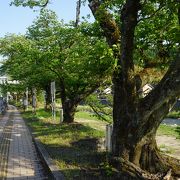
(146, 89)
(3, 79)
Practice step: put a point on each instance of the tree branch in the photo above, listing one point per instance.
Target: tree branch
(107, 23)
(168, 88)
(97, 113)
(86, 92)
(151, 124)
(153, 14)
(45, 4)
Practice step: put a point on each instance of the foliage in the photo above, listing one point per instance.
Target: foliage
(22, 61)
(78, 63)
(71, 55)
(101, 106)
(174, 114)
(157, 34)
(30, 3)
(107, 168)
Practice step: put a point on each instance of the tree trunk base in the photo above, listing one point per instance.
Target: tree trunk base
(127, 168)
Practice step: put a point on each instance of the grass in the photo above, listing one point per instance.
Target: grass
(85, 115)
(165, 149)
(71, 146)
(85, 108)
(169, 130)
(174, 114)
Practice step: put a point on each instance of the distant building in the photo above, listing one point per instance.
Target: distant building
(3, 79)
(6, 80)
(144, 91)
(107, 90)
(149, 87)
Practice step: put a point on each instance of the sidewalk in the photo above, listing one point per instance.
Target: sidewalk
(18, 156)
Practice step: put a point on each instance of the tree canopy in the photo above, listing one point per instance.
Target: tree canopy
(144, 33)
(52, 51)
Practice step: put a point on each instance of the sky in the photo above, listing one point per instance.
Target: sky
(17, 19)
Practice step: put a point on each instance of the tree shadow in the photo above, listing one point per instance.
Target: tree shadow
(80, 152)
(46, 128)
(75, 159)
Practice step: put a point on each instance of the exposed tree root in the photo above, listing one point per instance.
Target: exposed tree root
(131, 169)
(124, 170)
(135, 171)
(168, 175)
(173, 165)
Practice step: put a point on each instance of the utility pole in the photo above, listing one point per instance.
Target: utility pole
(78, 8)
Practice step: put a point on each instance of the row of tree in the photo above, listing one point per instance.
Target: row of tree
(78, 60)
(138, 32)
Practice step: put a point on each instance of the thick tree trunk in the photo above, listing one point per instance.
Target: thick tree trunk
(141, 158)
(136, 121)
(135, 126)
(124, 107)
(138, 155)
(69, 106)
(69, 109)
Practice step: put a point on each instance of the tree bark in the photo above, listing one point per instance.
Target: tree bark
(108, 24)
(124, 107)
(69, 109)
(135, 121)
(68, 105)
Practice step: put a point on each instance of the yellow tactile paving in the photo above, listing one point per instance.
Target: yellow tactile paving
(23, 162)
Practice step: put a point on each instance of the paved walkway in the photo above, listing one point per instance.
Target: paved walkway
(18, 156)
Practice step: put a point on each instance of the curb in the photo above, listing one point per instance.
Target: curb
(48, 162)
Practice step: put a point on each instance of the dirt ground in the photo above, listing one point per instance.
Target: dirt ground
(167, 144)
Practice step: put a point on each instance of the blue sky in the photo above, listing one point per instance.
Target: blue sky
(17, 19)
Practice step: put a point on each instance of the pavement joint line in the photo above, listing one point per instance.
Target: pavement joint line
(15, 140)
(4, 148)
